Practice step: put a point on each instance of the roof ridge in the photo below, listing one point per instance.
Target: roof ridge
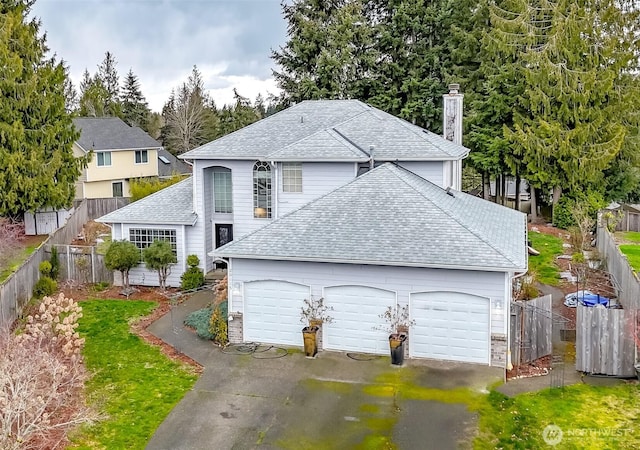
(148, 197)
(465, 226)
(251, 125)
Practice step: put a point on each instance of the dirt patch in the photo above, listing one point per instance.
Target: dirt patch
(162, 298)
(537, 368)
(90, 233)
(551, 230)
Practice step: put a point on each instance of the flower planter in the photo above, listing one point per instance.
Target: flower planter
(396, 346)
(309, 336)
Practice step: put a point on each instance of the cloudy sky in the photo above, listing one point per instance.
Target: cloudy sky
(229, 40)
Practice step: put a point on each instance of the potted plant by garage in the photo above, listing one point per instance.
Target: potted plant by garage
(314, 313)
(398, 323)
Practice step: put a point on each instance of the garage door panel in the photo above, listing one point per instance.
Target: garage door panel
(451, 326)
(356, 311)
(272, 312)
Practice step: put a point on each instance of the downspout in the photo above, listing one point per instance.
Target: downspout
(509, 363)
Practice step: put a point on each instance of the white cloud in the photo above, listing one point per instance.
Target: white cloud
(229, 40)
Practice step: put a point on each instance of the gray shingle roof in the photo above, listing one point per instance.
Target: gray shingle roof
(172, 205)
(173, 166)
(390, 216)
(329, 130)
(111, 133)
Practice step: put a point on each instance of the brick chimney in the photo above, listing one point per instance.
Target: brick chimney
(452, 117)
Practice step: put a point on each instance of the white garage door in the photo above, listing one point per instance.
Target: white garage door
(272, 312)
(356, 311)
(451, 326)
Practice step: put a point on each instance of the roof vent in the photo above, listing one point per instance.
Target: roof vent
(301, 119)
(450, 192)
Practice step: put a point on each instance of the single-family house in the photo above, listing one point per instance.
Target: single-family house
(337, 199)
(120, 153)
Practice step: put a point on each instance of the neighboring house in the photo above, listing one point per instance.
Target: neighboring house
(169, 165)
(307, 216)
(120, 153)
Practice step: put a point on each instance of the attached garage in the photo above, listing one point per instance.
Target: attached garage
(272, 312)
(356, 319)
(451, 326)
(387, 238)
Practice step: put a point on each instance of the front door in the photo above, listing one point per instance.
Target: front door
(224, 235)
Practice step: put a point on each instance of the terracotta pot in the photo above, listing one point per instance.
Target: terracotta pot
(309, 336)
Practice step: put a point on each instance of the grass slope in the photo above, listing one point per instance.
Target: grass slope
(544, 265)
(632, 252)
(631, 236)
(134, 384)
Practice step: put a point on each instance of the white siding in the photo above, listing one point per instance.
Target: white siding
(141, 276)
(430, 170)
(317, 179)
(402, 280)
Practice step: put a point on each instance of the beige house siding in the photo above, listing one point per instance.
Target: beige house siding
(104, 189)
(123, 166)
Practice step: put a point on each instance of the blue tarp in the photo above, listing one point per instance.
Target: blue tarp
(586, 298)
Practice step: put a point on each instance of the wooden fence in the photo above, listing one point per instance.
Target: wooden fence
(604, 341)
(531, 329)
(81, 264)
(17, 290)
(618, 266)
(630, 222)
(97, 207)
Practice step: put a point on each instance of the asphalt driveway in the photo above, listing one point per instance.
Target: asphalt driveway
(269, 401)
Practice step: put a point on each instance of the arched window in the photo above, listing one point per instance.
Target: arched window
(262, 190)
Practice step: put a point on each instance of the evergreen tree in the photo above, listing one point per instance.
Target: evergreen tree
(578, 110)
(94, 97)
(238, 115)
(71, 99)
(329, 52)
(135, 110)
(36, 133)
(108, 74)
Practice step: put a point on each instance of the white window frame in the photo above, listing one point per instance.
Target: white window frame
(144, 237)
(292, 177)
(262, 190)
(103, 155)
(144, 156)
(225, 188)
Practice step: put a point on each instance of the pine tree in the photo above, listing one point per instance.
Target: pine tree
(329, 52)
(135, 110)
(36, 133)
(70, 93)
(578, 111)
(108, 74)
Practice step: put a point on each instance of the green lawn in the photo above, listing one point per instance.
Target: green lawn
(632, 252)
(544, 265)
(134, 384)
(589, 417)
(631, 236)
(15, 262)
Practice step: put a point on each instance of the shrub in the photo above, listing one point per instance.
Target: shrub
(218, 325)
(122, 256)
(44, 287)
(55, 263)
(193, 278)
(199, 320)
(45, 268)
(100, 286)
(159, 257)
(142, 187)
